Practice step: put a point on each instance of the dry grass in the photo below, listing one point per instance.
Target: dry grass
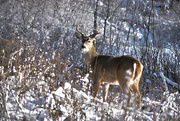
(29, 72)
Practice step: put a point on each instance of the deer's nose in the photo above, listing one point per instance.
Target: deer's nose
(83, 47)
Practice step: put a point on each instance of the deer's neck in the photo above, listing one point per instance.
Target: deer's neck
(89, 55)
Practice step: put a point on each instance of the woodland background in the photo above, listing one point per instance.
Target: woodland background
(42, 71)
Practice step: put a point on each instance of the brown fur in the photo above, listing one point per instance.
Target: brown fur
(125, 70)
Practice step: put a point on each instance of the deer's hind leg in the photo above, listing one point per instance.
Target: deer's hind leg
(136, 92)
(123, 80)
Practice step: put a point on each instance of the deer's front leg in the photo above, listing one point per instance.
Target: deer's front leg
(96, 85)
(105, 91)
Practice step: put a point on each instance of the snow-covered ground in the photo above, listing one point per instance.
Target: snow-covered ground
(67, 103)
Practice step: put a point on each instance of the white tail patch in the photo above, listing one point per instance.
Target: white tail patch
(139, 73)
(134, 70)
(132, 81)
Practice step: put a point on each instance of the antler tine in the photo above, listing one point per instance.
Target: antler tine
(77, 29)
(95, 33)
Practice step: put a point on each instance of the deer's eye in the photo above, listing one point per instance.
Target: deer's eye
(89, 41)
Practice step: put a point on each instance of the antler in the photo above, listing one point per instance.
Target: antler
(94, 35)
(78, 34)
(77, 29)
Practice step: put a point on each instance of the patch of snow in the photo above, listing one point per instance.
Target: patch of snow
(67, 86)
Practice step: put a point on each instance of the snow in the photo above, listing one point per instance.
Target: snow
(69, 101)
(101, 3)
(86, 106)
(67, 86)
(39, 84)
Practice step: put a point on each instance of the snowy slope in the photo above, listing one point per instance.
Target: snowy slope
(62, 105)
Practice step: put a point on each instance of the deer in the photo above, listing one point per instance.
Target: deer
(124, 71)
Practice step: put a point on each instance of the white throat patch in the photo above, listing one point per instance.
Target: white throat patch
(84, 50)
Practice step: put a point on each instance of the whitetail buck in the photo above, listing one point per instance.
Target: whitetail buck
(125, 70)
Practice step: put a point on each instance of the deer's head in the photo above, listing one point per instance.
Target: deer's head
(87, 41)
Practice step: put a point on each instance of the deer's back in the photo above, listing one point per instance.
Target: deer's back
(108, 67)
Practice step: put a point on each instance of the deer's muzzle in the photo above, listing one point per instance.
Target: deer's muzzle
(82, 47)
